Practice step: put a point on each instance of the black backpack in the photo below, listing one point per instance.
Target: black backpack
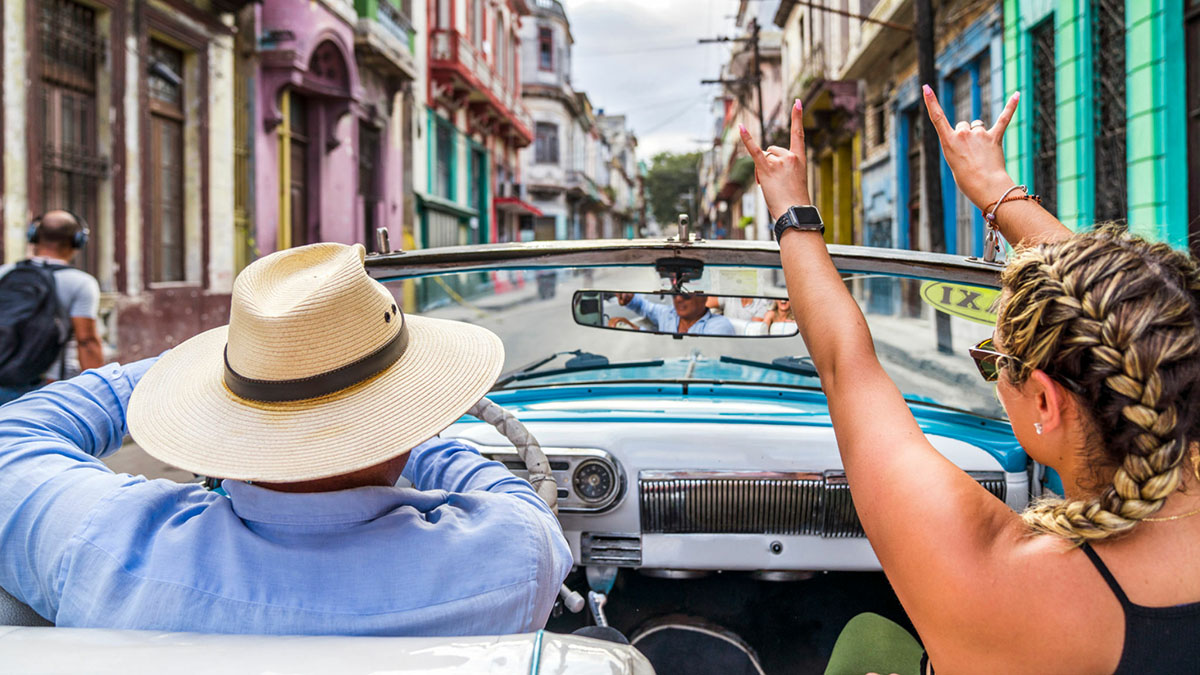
(34, 326)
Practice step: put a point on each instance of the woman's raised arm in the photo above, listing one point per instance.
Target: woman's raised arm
(912, 501)
(976, 158)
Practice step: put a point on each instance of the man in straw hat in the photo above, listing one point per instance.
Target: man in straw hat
(311, 404)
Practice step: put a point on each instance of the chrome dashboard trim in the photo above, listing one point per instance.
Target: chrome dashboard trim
(574, 458)
(756, 502)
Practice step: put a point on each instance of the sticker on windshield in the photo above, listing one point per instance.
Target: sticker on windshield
(736, 282)
(966, 302)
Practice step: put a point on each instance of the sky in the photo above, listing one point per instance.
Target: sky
(640, 58)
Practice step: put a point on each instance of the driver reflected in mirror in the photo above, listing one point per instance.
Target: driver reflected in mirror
(688, 313)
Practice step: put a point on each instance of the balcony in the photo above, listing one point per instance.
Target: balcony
(384, 38)
(462, 76)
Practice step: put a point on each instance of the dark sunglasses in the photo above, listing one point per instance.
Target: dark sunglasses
(988, 360)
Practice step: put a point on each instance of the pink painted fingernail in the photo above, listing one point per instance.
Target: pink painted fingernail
(1016, 96)
(799, 106)
(927, 89)
(741, 129)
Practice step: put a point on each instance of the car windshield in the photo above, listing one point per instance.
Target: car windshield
(922, 349)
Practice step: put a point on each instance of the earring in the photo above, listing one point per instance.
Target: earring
(1037, 426)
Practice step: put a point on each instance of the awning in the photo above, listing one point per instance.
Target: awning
(515, 205)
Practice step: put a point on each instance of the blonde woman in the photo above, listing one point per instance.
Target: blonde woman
(779, 319)
(1095, 358)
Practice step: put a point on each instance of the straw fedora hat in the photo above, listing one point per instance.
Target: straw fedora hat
(317, 374)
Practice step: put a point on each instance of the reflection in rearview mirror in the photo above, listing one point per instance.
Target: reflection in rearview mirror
(679, 314)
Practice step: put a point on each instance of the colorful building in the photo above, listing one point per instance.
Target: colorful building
(731, 203)
(329, 120)
(1109, 123)
(472, 122)
(882, 60)
(121, 111)
(816, 45)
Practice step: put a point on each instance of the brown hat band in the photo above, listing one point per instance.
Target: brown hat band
(280, 391)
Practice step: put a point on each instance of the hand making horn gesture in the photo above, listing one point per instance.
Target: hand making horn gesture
(975, 154)
(780, 171)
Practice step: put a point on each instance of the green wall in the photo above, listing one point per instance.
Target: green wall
(1155, 105)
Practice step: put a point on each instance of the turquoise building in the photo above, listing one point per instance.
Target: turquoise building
(1109, 123)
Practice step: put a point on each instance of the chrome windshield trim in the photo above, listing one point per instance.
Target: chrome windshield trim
(617, 252)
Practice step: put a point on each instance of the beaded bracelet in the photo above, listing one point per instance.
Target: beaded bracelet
(989, 213)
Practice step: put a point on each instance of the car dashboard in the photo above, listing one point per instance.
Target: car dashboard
(676, 483)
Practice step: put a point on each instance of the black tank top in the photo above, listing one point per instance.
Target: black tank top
(1157, 639)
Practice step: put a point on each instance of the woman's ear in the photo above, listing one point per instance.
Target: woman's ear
(1048, 398)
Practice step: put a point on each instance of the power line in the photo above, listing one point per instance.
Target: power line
(643, 50)
(674, 117)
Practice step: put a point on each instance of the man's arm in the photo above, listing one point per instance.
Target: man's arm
(440, 464)
(453, 466)
(51, 476)
(84, 310)
(659, 314)
(91, 352)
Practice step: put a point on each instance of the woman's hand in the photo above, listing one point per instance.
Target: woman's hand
(976, 157)
(975, 153)
(781, 172)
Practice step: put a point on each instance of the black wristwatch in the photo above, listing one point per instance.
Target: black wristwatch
(803, 218)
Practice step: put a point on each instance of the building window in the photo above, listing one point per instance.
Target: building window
(442, 15)
(964, 213)
(984, 66)
(477, 18)
(879, 125)
(72, 167)
(167, 233)
(545, 49)
(545, 149)
(1045, 129)
(477, 191)
(1108, 109)
(293, 157)
(913, 120)
(1192, 31)
(369, 179)
(444, 176)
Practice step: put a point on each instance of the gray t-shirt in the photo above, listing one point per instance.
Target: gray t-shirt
(79, 293)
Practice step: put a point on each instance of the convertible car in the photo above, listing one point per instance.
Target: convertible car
(661, 386)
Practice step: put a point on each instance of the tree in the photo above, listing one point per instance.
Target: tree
(673, 186)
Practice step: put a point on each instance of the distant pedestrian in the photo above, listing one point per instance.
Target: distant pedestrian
(48, 309)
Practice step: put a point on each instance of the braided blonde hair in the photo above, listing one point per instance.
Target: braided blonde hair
(1113, 318)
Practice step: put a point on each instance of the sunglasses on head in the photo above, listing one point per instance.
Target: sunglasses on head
(988, 360)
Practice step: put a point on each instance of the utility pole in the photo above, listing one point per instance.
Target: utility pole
(762, 127)
(756, 79)
(931, 165)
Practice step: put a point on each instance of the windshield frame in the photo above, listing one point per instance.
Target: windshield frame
(402, 265)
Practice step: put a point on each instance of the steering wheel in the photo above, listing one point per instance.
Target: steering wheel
(527, 448)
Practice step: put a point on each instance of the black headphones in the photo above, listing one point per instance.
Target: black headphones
(77, 242)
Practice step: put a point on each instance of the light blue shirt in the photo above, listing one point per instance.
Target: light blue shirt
(667, 319)
(468, 550)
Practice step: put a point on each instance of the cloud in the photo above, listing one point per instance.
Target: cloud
(640, 58)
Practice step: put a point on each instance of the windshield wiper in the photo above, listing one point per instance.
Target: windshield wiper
(797, 365)
(580, 361)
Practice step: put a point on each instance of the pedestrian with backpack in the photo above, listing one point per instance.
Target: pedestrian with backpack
(48, 309)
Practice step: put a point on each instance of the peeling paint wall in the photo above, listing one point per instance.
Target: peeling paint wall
(16, 206)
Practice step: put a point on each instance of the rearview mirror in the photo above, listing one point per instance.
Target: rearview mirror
(679, 314)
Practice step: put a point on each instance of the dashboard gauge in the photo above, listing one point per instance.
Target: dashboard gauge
(593, 481)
